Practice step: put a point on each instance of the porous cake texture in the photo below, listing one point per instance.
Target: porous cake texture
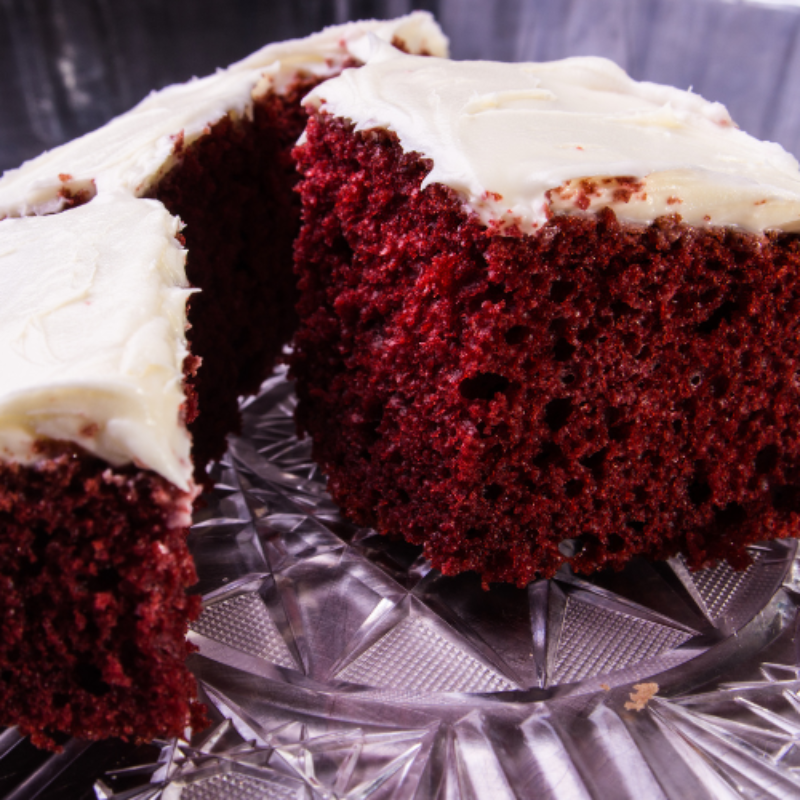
(94, 609)
(559, 386)
(147, 284)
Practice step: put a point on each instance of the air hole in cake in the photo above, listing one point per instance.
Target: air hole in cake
(38, 548)
(620, 433)
(516, 335)
(374, 416)
(635, 525)
(550, 454)
(696, 379)
(563, 350)
(724, 312)
(493, 491)
(561, 290)
(129, 656)
(615, 543)
(767, 459)
(787, 499)
(720, 386)
(621, 309)
(402, 495)
(595, 461)
(567, 379)
(496, 294)
(90, 679)
(588, 334)
(483, 386)
(731, 516)
(557, 413)
(105, 580)
(710, 296)
(473, 533)
(573, 487)
(632, 343)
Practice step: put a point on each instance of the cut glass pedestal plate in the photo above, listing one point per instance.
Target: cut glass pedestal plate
(336, 664)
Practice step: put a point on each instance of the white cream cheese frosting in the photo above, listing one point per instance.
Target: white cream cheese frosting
(93, 299)
(520, 142)
(92, 336)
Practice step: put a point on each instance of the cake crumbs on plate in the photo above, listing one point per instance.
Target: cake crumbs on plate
(641, 695)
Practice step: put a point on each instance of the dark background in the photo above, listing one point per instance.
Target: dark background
(69, 65)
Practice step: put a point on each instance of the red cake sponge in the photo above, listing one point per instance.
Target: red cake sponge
(588, 393)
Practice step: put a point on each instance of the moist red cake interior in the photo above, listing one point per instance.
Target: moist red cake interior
(94, 566)
(588, 393)
(233, 189)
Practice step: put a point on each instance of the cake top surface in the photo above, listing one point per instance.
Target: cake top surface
(92, 337)
(134, 150)
(93, 300)
(523, 141)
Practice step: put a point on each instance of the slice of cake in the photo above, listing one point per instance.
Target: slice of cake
(549, 314)
(109, 411)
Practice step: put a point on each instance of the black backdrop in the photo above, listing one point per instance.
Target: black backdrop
(69, 65)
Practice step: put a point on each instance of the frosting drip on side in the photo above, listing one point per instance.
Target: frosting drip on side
(518, 140)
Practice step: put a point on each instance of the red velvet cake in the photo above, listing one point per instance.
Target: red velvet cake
(110, 409)
(549, 315)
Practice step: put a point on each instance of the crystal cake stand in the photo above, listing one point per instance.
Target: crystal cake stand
(337, 664)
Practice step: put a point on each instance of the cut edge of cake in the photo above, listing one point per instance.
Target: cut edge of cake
(97, 569)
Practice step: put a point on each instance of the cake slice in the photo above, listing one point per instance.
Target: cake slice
(549, 315)
(109, 410)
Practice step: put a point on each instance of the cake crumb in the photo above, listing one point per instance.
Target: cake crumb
(641, 696)
(90, 430)
(605, 687)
